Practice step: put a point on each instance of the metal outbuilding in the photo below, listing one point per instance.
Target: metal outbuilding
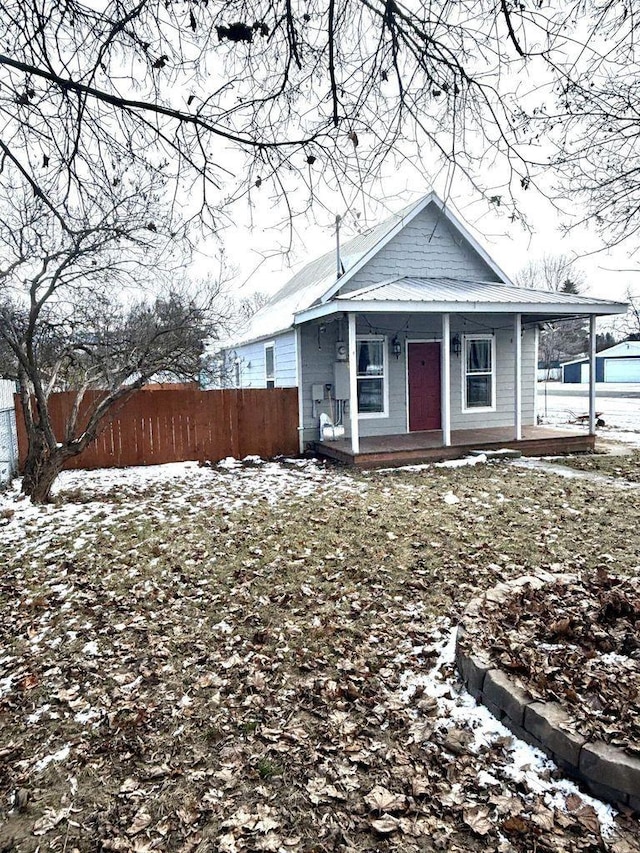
(619, 363)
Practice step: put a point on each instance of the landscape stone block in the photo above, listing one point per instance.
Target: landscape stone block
(503, 692)
(523, 734)
(610, 766)
(492, 708)
(549, 723)
(604, 792)
(473, 669)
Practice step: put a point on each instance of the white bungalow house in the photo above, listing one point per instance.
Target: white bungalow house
(410, 342)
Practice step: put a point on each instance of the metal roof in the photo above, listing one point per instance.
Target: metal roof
(311, 283)
(464, 291)
(448, 295)
(314, 290)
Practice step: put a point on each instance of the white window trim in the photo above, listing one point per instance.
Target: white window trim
(271, 344)
(385, 377)
(479, 337)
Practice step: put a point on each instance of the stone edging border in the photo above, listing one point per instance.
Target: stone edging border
(608, 772)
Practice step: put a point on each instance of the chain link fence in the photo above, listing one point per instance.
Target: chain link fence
(8, 435)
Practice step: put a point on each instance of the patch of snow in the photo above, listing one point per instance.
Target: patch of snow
(613, 658)
(450, 498)
(485, 780)
(5, 684)
(35, 716)
(87, 716)
(524, 764)
(229, 463)
(91, 648)
(61, 755)
(462, 463)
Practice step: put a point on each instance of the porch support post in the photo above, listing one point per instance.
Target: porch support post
(299, 384)
(445, 387)
(353, 386)
(517, 376)
(592, 375)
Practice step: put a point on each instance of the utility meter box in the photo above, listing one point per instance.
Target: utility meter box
(341, 380)
(317, 393)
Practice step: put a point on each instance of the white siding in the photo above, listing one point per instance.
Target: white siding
(318, 356)
(252, 362)
(427, 246)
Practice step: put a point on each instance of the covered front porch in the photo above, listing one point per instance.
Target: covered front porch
(428, 446)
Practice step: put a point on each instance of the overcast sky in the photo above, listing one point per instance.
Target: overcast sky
(258, 251)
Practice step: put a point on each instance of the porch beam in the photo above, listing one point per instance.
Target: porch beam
(592, 375)
(445, 388)
(353, 386)
(517, 376)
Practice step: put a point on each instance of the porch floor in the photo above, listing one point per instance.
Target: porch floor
(415, 447)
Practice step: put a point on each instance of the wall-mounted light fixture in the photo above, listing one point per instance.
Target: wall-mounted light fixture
(396, 346)
(456, 345)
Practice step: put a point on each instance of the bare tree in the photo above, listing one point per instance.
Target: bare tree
(563, 340)
(630, 325)
(87, 306)
(552, 272)
(313, 92)
(249, 305)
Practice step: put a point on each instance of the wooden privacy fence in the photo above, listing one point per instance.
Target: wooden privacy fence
(157, 426)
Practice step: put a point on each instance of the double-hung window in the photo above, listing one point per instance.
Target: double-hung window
(371, 371)
(269, 366)
(479, 372)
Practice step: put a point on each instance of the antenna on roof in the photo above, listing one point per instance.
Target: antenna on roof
(339, 268)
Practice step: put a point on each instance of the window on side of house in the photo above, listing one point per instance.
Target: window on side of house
(269, 366)
(479, 372)
(371, 368)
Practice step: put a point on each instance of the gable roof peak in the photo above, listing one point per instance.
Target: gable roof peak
(317, 283)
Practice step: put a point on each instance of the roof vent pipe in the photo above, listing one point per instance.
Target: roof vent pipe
(338, 261)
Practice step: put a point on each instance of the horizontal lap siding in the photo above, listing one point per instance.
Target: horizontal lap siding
(505, 376)
(318, 356)
(252, 362)
(155, 427)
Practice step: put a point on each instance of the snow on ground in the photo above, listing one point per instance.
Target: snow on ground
(560, 405)
(162, 491)
(526, 764)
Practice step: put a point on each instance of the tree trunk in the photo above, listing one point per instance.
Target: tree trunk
(41, 468)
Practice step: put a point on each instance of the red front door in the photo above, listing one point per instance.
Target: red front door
(424, 386)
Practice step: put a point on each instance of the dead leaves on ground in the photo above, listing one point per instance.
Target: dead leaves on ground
(220, 664)
(576, 643)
